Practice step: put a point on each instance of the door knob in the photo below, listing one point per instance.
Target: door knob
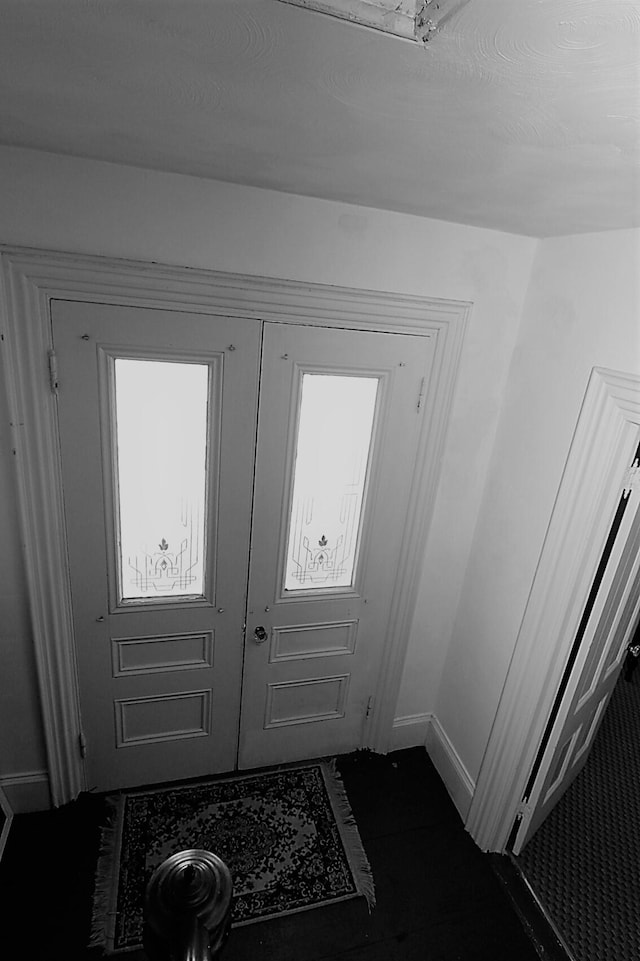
(260, 635)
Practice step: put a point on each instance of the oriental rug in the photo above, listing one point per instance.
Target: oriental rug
(287, 835)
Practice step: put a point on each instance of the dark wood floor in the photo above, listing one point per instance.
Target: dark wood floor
(438, 898)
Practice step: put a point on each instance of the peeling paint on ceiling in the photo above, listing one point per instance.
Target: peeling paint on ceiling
(521, 115)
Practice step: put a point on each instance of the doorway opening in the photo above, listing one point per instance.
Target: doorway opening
(600, 467)
(581, 864)
(578, 844)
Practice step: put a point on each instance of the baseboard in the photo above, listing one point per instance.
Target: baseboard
(409, 731)
(534, 917)
(27, 792)
(6, 816)
(449, 766)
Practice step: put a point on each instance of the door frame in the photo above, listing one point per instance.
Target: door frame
(596, 473)
(30, 279)
(613, 646)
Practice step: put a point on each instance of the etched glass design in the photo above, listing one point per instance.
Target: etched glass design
(161, 410)
(332, 454)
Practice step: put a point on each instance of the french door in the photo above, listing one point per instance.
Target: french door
(229, 608)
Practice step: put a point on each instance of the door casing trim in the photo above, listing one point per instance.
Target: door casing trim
(31, 278)
(603, 446)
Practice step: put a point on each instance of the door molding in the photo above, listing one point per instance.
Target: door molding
(30, 280)
(603, 446)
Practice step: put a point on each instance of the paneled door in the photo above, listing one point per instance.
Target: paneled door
(157, 413)
(231, 598)
(610, 625)
(338, 427)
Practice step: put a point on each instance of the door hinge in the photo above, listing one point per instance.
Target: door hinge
(53, 372)
(631, 479)
(82, 744)
(420, 395)
(369, 706)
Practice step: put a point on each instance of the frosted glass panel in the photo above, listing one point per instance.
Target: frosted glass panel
(332, 453)
(161, 442)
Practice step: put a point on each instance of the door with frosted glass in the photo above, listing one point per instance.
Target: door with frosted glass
(339, 419)
(157, 417)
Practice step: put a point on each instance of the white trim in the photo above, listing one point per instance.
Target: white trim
(8, 818)
(410, 730)
(425, 730)
(448, 763)
(31, 279)
(26, 792)
(603, 446)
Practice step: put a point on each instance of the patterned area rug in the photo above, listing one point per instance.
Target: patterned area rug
(584, 861)
(287, 836)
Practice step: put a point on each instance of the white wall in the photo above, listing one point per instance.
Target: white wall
(582, 311)
(63, 203)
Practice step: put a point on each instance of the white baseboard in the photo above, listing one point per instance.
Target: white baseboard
(457, 780)
(425, 730)
(409, 731)
(27, 792)
(6, 816)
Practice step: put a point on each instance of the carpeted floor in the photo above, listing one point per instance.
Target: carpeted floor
(584, 861)
(437, 897)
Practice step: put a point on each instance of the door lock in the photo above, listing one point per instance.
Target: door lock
(260, 635)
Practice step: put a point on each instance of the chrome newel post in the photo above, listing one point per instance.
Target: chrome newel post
(187, 909)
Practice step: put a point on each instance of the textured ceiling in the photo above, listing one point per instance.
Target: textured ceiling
(522, 115)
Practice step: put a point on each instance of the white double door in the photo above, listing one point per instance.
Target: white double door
(232, 572)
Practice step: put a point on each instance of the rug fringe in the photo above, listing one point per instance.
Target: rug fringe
(363, 875)
(104, 926)
(103, 911)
